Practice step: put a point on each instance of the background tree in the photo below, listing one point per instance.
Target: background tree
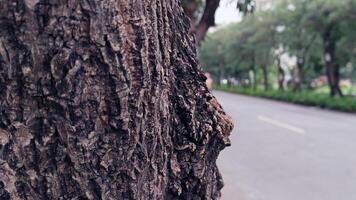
(329, 19)
(202, 14)
(295, 37)
(315, 38)
(105, 100)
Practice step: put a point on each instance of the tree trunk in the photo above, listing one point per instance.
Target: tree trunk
(199, 27)
(299, 83)
(254, 71)
(332, 71)
(265, 77)
(281, 75)
(254, 78)
(207, 20)
(105, 100)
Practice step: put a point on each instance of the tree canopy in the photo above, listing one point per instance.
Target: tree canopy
(299, 39)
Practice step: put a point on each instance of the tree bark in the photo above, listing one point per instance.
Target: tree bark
(281, 74)
(332, 71)
(299, 84)
(207, 20)
(265, 77)
(105, 100)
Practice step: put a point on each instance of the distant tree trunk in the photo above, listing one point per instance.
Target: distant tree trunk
(298, 85)
(219, 74)
(104, 100)
(254, 71)
(332, 70)
(303, 49)
(281, 75)
(254, 78)
(265, 77)
(249, 80)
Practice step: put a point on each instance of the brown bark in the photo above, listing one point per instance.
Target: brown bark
(104, 100)
(332, 71)
(207, 20)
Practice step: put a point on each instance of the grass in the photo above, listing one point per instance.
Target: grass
(309, 98)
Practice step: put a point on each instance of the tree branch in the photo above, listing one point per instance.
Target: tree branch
(207, 20)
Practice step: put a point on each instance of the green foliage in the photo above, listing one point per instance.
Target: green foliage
(295, 28)
(216, 57)
(199, 6)
(246, 6)
(346, 104)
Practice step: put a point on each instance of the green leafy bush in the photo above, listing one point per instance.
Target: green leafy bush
(346, 104)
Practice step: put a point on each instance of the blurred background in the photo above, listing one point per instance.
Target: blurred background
(285, 71)
(286, 45)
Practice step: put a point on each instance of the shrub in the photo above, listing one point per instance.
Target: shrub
(309, 98)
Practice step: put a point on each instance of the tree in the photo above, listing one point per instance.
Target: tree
(309, 35)
(105, 100)
(238, 49)
(264, 40)
(202, 14)
(330, 20)
(199, 28)
(214, 54)
(295, 36)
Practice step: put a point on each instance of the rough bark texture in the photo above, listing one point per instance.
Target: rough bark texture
(105, 100)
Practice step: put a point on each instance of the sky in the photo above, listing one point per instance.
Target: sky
(227, 13)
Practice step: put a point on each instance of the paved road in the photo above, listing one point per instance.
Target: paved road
(287, 152)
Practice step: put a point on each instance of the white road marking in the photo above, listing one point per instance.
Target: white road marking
(281, 124)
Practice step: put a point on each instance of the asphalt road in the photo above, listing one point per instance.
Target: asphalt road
(282, 151)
